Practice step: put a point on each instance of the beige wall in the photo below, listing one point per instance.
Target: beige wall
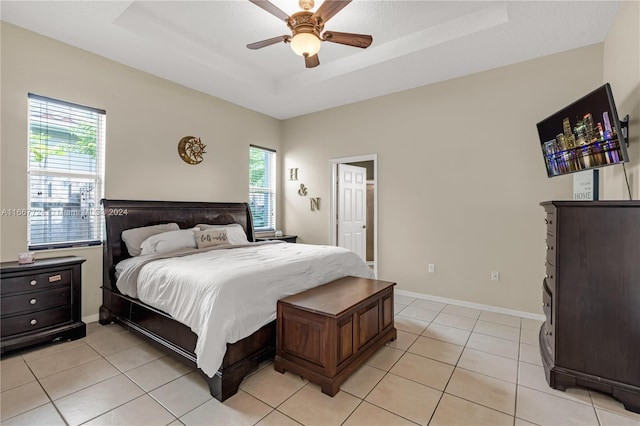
(146, 117)
(459, 168)
(460, 176)
(622, 71)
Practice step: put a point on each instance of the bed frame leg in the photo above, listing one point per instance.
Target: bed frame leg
(227, 381)
(105, 316)
(225, 384)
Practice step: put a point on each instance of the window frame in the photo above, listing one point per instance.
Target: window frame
(270, 189)
(93, 175)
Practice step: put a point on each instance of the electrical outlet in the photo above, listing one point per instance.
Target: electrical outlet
(432, 268)
(495, 276)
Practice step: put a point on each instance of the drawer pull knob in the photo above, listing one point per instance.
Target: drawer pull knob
(549, 247)
(548, 221)
(33, 301)
(546, 305)
(33, 282)
(547, 333)
(54, 278)
(548, 276)
(34, 321)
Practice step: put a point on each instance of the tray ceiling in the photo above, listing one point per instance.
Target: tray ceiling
(201, 44)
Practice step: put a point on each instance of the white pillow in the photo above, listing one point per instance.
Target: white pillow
(134, 237)
(235, 232)
(169, 241)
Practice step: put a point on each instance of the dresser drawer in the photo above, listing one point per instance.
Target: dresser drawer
(550, 244)
(36, 281)
(35, 301)
(551, 249)
(35, 320)
(550, 276)
(548, 326)
(547, 300)
(550, 221)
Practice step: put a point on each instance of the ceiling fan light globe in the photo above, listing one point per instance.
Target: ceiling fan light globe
(305, 44)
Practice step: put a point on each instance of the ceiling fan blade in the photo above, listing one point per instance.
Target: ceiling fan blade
(355, 40)
(329, 8)
(268, 42)
(271, 8)
(311, 61)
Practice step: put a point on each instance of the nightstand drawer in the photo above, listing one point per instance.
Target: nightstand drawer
(35, 301)
(40, 302)
(285, 238)
(35, 320)
(36, 281)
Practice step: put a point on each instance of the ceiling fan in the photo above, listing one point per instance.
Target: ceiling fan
(306, 29)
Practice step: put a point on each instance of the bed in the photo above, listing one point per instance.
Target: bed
(162, 329)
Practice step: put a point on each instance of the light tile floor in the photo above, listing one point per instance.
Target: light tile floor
(449, 365)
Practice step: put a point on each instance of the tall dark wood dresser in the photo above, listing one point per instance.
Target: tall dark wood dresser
(40, 302)
(591, 298)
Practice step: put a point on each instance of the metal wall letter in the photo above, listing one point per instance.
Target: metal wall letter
(293, 174)
(315, 203)
(302, 191)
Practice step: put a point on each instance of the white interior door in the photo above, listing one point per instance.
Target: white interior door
(352, 209)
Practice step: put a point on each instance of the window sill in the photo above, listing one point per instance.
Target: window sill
(80, 246)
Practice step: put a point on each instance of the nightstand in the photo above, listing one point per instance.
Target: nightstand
(40, 302)
(286, 238)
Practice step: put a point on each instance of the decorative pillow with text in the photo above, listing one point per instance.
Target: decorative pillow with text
(211, 237)
(235, 232)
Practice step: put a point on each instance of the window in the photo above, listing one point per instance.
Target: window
(262, 188)
(66, 173)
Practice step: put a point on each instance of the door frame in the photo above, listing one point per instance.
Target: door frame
(334, 200)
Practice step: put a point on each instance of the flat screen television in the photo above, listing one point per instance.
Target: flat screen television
(584, 135)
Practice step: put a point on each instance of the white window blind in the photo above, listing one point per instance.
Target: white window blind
(262, 188)
(66, 173)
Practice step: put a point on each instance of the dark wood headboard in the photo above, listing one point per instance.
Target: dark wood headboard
(120, 215)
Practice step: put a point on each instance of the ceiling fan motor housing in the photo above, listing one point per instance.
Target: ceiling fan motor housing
(305, 22)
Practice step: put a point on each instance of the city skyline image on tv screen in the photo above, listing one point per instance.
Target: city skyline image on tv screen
(582, 136)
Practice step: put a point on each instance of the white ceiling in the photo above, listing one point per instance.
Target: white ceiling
(201, 44)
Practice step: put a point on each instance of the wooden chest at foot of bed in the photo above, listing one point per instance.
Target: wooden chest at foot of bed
(325, 333)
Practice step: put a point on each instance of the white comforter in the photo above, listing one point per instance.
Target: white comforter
(227, 294)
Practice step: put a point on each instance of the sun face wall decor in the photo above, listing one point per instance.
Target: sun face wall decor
(190, 149)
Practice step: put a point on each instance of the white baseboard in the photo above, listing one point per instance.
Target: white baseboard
(497, 309)
(90, 318)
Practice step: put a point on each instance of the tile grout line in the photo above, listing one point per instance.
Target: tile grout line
(37, 380)
(122, 373)
(594, 408)
(387, 372)
(449, 380)
(515, 399)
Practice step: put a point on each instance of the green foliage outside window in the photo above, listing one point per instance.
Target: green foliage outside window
(256, 168)
(262, 187)
(85, 143)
